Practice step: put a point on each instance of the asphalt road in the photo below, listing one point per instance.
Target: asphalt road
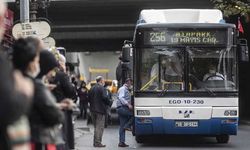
(84, 141)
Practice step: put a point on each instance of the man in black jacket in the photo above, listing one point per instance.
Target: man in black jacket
(15, 98)
(98, 97)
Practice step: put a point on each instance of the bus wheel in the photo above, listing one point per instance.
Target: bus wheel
(139, 139)
(222, 138)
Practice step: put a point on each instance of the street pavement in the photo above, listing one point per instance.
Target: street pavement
(84, 140)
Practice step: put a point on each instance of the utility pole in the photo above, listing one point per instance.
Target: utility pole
(33, 9)
(24, 11)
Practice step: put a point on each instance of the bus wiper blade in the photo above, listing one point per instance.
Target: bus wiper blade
(163, 92)
(208, 90)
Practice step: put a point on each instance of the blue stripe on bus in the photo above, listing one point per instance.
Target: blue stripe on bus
(157, 125)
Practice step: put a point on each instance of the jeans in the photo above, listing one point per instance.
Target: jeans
(99, 122)
(126, 121)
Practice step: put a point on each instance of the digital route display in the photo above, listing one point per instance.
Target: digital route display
(187, 37)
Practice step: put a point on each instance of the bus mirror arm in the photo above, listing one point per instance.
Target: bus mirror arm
(128, 42)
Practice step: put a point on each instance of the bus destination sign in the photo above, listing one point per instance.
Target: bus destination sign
(169, 37)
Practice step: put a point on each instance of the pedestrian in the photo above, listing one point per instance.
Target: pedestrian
(16, 94)
(83, 96)
(64, 89)
(45, 114)
(75, 85)
(16, 91)
(98, 102)
(48, 64)
(125, 111)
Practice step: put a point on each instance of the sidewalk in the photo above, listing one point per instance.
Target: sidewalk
(80, 128)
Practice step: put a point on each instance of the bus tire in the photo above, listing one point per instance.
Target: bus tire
(222, 139)
(139, 139)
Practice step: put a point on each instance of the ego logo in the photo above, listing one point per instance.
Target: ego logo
(186, 113)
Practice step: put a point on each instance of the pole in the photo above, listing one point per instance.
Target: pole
(24, 11)
(33, 9)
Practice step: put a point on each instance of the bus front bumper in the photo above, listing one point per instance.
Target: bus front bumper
(158, 125)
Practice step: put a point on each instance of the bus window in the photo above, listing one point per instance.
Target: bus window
(212, 69)
(162, 69)
(171, 68)
(148, 77)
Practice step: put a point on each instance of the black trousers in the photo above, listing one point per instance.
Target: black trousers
(68, 131)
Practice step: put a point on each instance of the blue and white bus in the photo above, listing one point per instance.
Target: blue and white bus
(185, 71)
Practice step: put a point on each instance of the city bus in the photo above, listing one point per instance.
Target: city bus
(185, 74)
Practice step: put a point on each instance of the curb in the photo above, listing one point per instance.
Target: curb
(84, 129)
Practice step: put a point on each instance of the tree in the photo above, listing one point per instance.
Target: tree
(232, 7)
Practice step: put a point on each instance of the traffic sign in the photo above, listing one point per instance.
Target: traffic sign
(39, 29)
(49, 42)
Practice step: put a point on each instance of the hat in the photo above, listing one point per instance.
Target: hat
(47, 62)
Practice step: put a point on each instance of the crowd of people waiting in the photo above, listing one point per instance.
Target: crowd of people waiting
(38, 96)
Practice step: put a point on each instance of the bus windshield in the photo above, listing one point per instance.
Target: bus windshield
(212, 69)
(191, 69)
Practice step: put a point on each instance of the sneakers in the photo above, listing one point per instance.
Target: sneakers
(99, 145)
(123, 145)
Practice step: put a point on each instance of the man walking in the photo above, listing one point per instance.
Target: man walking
(125, 111)
(98, 103)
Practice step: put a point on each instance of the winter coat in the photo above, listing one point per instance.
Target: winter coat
(64, 88)
(83, 95)
(13, 105)
(45, 116)
(98, 98)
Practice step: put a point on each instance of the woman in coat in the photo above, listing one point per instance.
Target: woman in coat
(83, 95)
(45, 114)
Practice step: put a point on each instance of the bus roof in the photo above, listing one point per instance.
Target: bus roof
(158, 16)
(186, 25)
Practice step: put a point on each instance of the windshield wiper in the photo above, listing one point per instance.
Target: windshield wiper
(209, 91)
(163, 92)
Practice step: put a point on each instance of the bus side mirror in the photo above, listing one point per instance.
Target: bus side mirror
(126, 53)
(243, 50)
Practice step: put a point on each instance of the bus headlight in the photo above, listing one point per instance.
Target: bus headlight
(143, 112)
(230, 113)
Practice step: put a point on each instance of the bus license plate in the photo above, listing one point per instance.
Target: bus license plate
(192, 124)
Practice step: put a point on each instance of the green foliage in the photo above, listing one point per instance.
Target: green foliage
(232, 7)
